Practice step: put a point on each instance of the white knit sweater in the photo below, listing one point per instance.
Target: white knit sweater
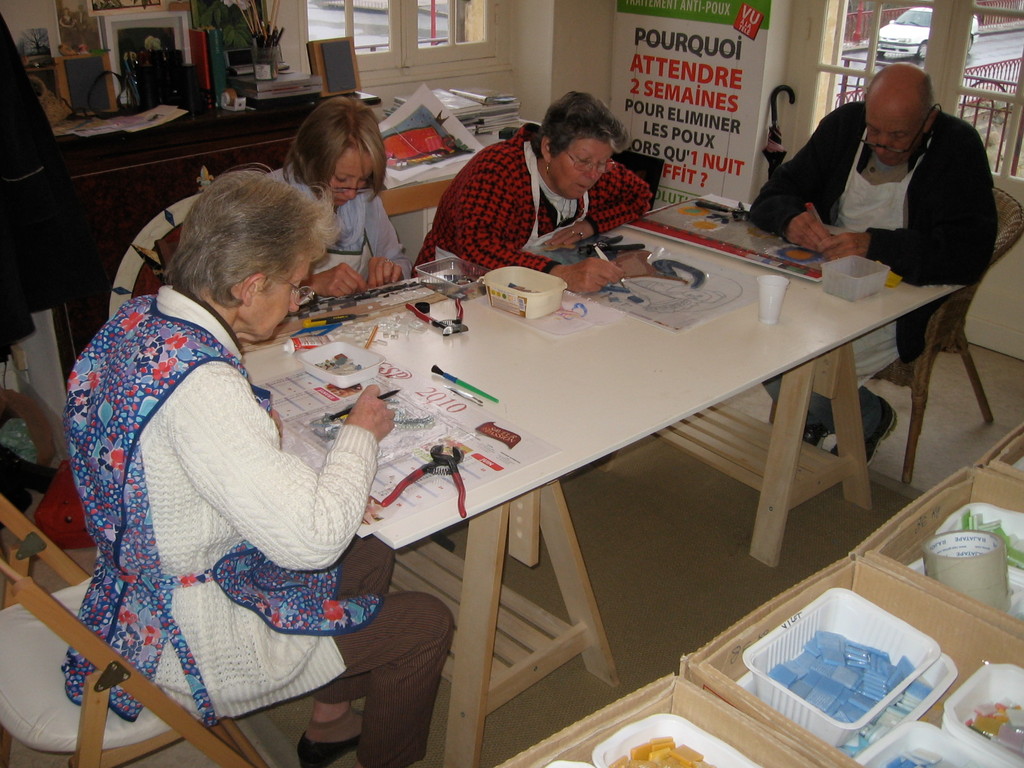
(217, 476)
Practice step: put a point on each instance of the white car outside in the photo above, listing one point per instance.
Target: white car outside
(908, 34)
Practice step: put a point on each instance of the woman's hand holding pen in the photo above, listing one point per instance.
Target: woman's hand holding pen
(371, 413)
(590, 274)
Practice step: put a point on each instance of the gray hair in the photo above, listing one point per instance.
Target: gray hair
(579, 116)
(335, 126)
(247, 223)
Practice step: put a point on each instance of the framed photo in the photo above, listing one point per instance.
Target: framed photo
(104, 7)
(335, 61)
(76, 28)
(145, 31)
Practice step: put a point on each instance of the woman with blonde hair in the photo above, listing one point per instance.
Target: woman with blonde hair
(338, 147)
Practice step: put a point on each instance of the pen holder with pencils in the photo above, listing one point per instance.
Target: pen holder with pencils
(265, 60)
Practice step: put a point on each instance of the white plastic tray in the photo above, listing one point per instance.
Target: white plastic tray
(991, 683)
(369, 362)
(716, 752)
(858, 620)
(909, 736)
(939, 677)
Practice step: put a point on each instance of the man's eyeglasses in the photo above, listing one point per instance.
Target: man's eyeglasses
(589, 166)
(302, 294)
(910, 144)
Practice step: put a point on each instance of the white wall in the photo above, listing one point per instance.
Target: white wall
(558, 45)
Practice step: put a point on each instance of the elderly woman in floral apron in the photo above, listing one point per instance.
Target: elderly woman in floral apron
(228, 571)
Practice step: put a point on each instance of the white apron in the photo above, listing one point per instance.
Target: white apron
(535, 243)
(358, 260)
(863, 205)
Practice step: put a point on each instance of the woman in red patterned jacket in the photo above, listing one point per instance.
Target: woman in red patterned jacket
(526, 200)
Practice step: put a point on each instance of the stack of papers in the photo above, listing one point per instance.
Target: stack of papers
(479, 110)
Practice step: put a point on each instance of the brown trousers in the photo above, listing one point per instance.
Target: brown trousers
(394, 662)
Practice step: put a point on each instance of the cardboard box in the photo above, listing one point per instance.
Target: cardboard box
(674, 695)
(897, 543)
(962, 627)
(1007, 452)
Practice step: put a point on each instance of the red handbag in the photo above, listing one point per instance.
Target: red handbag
(60, 514)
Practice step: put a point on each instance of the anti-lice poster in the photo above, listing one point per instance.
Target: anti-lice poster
(687, 83)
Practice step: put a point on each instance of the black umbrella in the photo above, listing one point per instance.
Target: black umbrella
(773, 150)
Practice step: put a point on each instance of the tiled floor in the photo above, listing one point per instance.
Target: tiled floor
(954, 436)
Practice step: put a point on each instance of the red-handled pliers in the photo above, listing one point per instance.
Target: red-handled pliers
(448, 327)
(441, 463)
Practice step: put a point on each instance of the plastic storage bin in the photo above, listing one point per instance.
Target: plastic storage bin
(853, 277)
(367, 362)
(524, 292)
(991, 683)
(939, 677)
(681, 730)
(454, 277)
(846, 613)
(908, 737)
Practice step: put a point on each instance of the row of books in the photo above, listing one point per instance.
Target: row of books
(210, 62)
(215, 73)
(480, 110)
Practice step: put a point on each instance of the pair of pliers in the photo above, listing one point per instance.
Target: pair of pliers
(441, 463)
(448, 327)
(606, 244)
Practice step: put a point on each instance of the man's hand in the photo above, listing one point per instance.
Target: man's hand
(589, 275)
(372, 414)
(383, 271)
(846, 244)
(338, 281)
(806, 230)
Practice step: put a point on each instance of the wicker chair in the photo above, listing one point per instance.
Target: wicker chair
(945, 333)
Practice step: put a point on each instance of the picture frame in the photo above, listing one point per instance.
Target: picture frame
(77, 30)
(334, 60)
(112, 7)
(128, 32)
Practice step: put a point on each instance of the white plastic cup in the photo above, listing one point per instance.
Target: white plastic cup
(771, 290)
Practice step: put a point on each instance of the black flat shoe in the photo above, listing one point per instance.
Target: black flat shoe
(317, 754)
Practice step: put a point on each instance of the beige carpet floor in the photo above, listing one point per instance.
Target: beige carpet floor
(665, 540)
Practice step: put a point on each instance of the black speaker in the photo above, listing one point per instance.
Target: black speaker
(149, 96)
(191, 98)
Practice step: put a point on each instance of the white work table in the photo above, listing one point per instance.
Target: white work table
(589, 394)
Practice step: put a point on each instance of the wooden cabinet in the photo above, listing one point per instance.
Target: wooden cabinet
(124, 179)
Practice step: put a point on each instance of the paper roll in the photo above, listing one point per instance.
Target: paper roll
(229, 99)
(972, 562)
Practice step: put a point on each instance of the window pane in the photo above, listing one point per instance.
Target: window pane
(447, 22)
(432, 22)
(365, 20)
(993, 69)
